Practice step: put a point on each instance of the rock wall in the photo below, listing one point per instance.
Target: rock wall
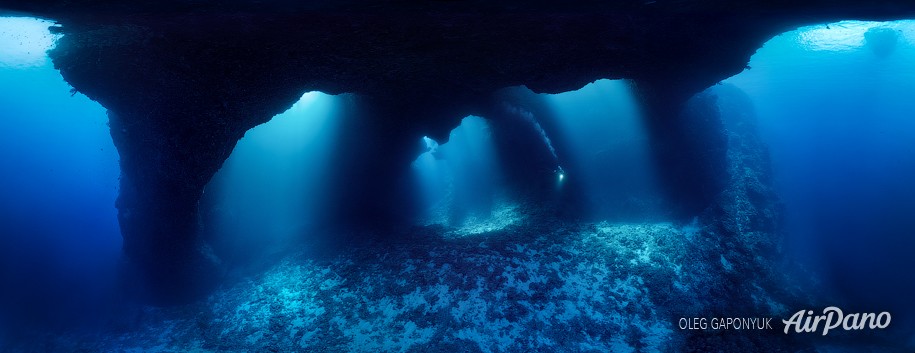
(183, 80)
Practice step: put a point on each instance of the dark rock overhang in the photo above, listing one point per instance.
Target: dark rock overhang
(184, 80)
(471, 47)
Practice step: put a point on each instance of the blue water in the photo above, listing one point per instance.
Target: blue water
(595, 142)
(836, 113)
(270, 193)
(834, 109)
(460, 179)
(606, 151)
(59, 236)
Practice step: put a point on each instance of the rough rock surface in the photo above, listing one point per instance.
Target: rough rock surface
(556, 287)
(183, 80)
(523, 281)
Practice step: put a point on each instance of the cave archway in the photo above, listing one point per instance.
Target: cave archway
(183, 82)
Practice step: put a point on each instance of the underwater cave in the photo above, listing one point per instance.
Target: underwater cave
(456, 176)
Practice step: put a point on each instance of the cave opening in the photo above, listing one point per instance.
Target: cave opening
(273, 191)
(832, 103)
(60, 242)
(606, 150)
(461, 184)
(587, 149)
(583, 153)
(618, 207)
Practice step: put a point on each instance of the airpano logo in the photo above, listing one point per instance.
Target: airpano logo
(803, 321)
(833, 318)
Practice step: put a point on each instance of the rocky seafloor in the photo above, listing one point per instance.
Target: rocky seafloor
(524, 278)
(532, 285)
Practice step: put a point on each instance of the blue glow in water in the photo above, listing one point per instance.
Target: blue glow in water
(24, 41)
(605, 149)
(835, 107)
(599, 149)
(460, 179)
(531, 119)
(59, 236)
(272, 188)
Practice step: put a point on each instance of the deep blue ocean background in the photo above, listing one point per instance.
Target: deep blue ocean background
(836, 110)
(59, 236)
